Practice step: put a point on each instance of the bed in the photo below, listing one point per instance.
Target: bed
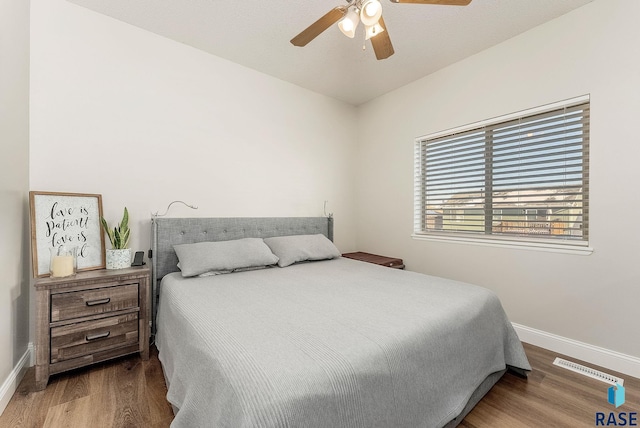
(326, 343)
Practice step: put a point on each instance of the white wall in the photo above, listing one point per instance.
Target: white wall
(14, 187)
(144, 120)
(592, 50)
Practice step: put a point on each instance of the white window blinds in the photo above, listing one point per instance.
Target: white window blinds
(520, 177)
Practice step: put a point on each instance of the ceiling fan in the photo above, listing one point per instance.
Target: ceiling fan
(369, 12)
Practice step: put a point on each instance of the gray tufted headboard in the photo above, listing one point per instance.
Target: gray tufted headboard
(167, 232)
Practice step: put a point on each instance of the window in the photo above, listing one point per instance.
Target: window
(522, 177)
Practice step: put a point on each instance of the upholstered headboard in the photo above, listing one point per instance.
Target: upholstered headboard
(167, 232)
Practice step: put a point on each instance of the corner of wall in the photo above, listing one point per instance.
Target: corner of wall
(10, 384)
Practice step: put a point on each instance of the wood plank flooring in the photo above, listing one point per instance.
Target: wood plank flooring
(126, 392)
(129, 392)
(551, 397)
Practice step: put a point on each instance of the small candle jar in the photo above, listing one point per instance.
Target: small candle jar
(63, 261)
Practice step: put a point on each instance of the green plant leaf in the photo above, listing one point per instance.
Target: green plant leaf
(125, 239)
(124, 224)
(119, 235)
(110, 235)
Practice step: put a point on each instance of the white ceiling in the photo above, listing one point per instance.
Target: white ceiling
(256, 34)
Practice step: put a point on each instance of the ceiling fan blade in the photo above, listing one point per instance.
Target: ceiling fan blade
(442, 2)
(315, 29)
(382, 43)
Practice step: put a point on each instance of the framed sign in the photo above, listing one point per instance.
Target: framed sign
(70, 219)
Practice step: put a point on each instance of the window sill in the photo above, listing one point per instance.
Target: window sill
(583, 250)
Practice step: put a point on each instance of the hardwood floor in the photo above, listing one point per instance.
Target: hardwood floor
(126, 392)
(129, 392)
(551, 397)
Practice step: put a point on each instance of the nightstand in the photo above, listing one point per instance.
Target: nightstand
(376, 259)
(90, 317)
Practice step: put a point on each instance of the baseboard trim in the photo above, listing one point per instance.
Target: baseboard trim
(623, 363)
(12, 381)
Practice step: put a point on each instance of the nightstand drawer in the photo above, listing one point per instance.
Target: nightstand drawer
(77, 304)
(78, 339)
(90, 317)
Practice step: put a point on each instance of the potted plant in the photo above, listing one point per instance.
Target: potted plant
(119, 256)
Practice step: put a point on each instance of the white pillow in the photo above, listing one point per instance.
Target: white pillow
(201, 257)
(299, 248)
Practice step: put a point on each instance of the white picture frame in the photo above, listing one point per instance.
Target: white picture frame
(71, 219)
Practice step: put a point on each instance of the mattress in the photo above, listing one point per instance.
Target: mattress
(335, 343)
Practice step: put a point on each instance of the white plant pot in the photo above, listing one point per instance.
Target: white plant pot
(118, 259)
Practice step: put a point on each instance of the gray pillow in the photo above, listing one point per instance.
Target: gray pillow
(201, 257)
(299, 248)
(221, 272)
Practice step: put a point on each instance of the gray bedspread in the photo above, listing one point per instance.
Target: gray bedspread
(336, 343)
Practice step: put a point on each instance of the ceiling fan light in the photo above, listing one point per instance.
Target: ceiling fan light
(372, 30)
(349, 23)
(370, 12)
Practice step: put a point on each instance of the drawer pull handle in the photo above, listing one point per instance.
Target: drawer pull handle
(98, 302)
(97, 336)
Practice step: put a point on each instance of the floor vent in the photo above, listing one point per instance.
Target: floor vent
(589, 372)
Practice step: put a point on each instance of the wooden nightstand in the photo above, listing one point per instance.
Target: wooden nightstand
(90, 317)
(376, 259)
